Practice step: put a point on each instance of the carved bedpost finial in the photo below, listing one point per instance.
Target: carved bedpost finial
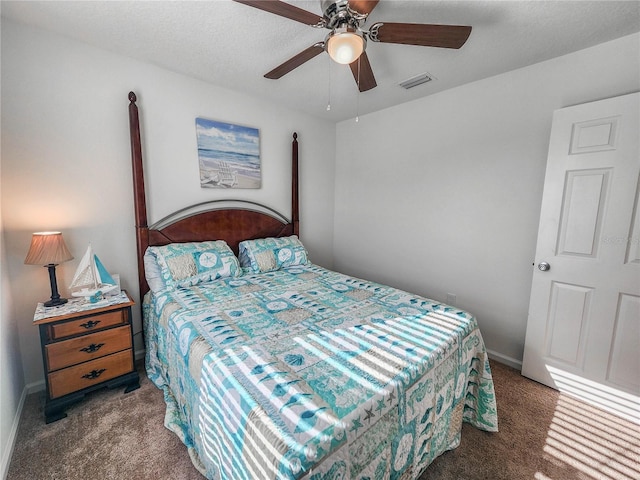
(132, 97)
(295, 134)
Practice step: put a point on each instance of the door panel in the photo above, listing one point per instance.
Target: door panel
(584, 199)
(594, 136)
(633, 247)
(624, 350)
(567, 322)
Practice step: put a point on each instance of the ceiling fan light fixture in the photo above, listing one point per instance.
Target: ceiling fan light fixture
(345, 45)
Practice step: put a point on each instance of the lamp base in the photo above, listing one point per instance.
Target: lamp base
(55, 302)
(55, 296)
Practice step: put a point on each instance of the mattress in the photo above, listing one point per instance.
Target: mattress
(306, 373)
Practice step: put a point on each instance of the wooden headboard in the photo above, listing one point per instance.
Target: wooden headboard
(229, 220)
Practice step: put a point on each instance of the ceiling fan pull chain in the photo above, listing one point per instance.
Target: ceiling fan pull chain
(358, 94)
(329, 93)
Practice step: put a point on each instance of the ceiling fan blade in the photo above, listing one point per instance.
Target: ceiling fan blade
(363, 6)
(445, 36)
(284, 10)
(296, 61)
(362, 73)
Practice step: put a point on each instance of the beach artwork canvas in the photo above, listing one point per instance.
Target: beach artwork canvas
(228, 154)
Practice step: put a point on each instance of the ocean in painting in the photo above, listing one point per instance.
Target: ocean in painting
(229, 155)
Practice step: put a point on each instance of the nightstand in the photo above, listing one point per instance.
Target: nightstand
(85, 347)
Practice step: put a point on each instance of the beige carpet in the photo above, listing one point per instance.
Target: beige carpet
(543, 436)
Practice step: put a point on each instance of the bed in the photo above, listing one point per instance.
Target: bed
(273, 367)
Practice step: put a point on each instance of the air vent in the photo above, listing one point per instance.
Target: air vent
(416, 80)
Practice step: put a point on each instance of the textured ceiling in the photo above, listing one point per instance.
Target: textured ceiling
(232, 45)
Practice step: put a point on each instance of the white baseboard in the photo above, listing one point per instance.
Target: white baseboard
(511, 362)
(11, 441)
(35, 387)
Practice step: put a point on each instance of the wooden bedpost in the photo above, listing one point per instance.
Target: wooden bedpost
(295, 212)
(139, 201)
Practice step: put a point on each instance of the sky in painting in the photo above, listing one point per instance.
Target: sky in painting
(226, 137)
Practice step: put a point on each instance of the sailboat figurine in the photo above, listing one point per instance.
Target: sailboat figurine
(91, 280)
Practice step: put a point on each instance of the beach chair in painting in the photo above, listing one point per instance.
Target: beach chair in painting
(226, 176)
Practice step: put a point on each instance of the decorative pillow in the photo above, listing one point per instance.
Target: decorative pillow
(153, 273)
(187, 264)
(269, 254)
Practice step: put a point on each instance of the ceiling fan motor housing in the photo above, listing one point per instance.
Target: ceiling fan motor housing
(338, 14)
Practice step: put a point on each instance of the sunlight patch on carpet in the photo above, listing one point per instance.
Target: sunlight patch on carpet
(601, 445)
(611, 399)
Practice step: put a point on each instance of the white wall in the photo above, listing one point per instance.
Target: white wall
(442, 195)
(67, 164)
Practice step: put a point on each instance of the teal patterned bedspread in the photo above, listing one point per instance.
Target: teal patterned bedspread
(308, 373)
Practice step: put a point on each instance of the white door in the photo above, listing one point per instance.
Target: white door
(583, 330)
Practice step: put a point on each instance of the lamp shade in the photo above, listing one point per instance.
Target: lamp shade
(345, 45)
(47, 248)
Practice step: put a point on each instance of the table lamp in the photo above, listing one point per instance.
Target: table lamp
(49, 249)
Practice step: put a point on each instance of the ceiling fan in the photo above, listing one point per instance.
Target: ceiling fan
(347, 40)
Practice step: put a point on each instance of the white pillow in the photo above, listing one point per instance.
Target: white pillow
(152, 273)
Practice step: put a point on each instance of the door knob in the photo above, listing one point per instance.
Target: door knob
(544, 266)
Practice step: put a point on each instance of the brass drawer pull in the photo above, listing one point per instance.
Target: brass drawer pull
(94, 374)
(90, 324)
(94, 347)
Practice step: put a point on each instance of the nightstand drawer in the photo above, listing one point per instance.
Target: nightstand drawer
(90, 373)
(87, 324)
(88, 347)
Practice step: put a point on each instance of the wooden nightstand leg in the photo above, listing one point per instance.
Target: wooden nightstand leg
(134, 383)
(54, 410)
(131, 380)
(54, 416)
(132, 387)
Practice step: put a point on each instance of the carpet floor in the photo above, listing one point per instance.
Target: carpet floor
(544, 435)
